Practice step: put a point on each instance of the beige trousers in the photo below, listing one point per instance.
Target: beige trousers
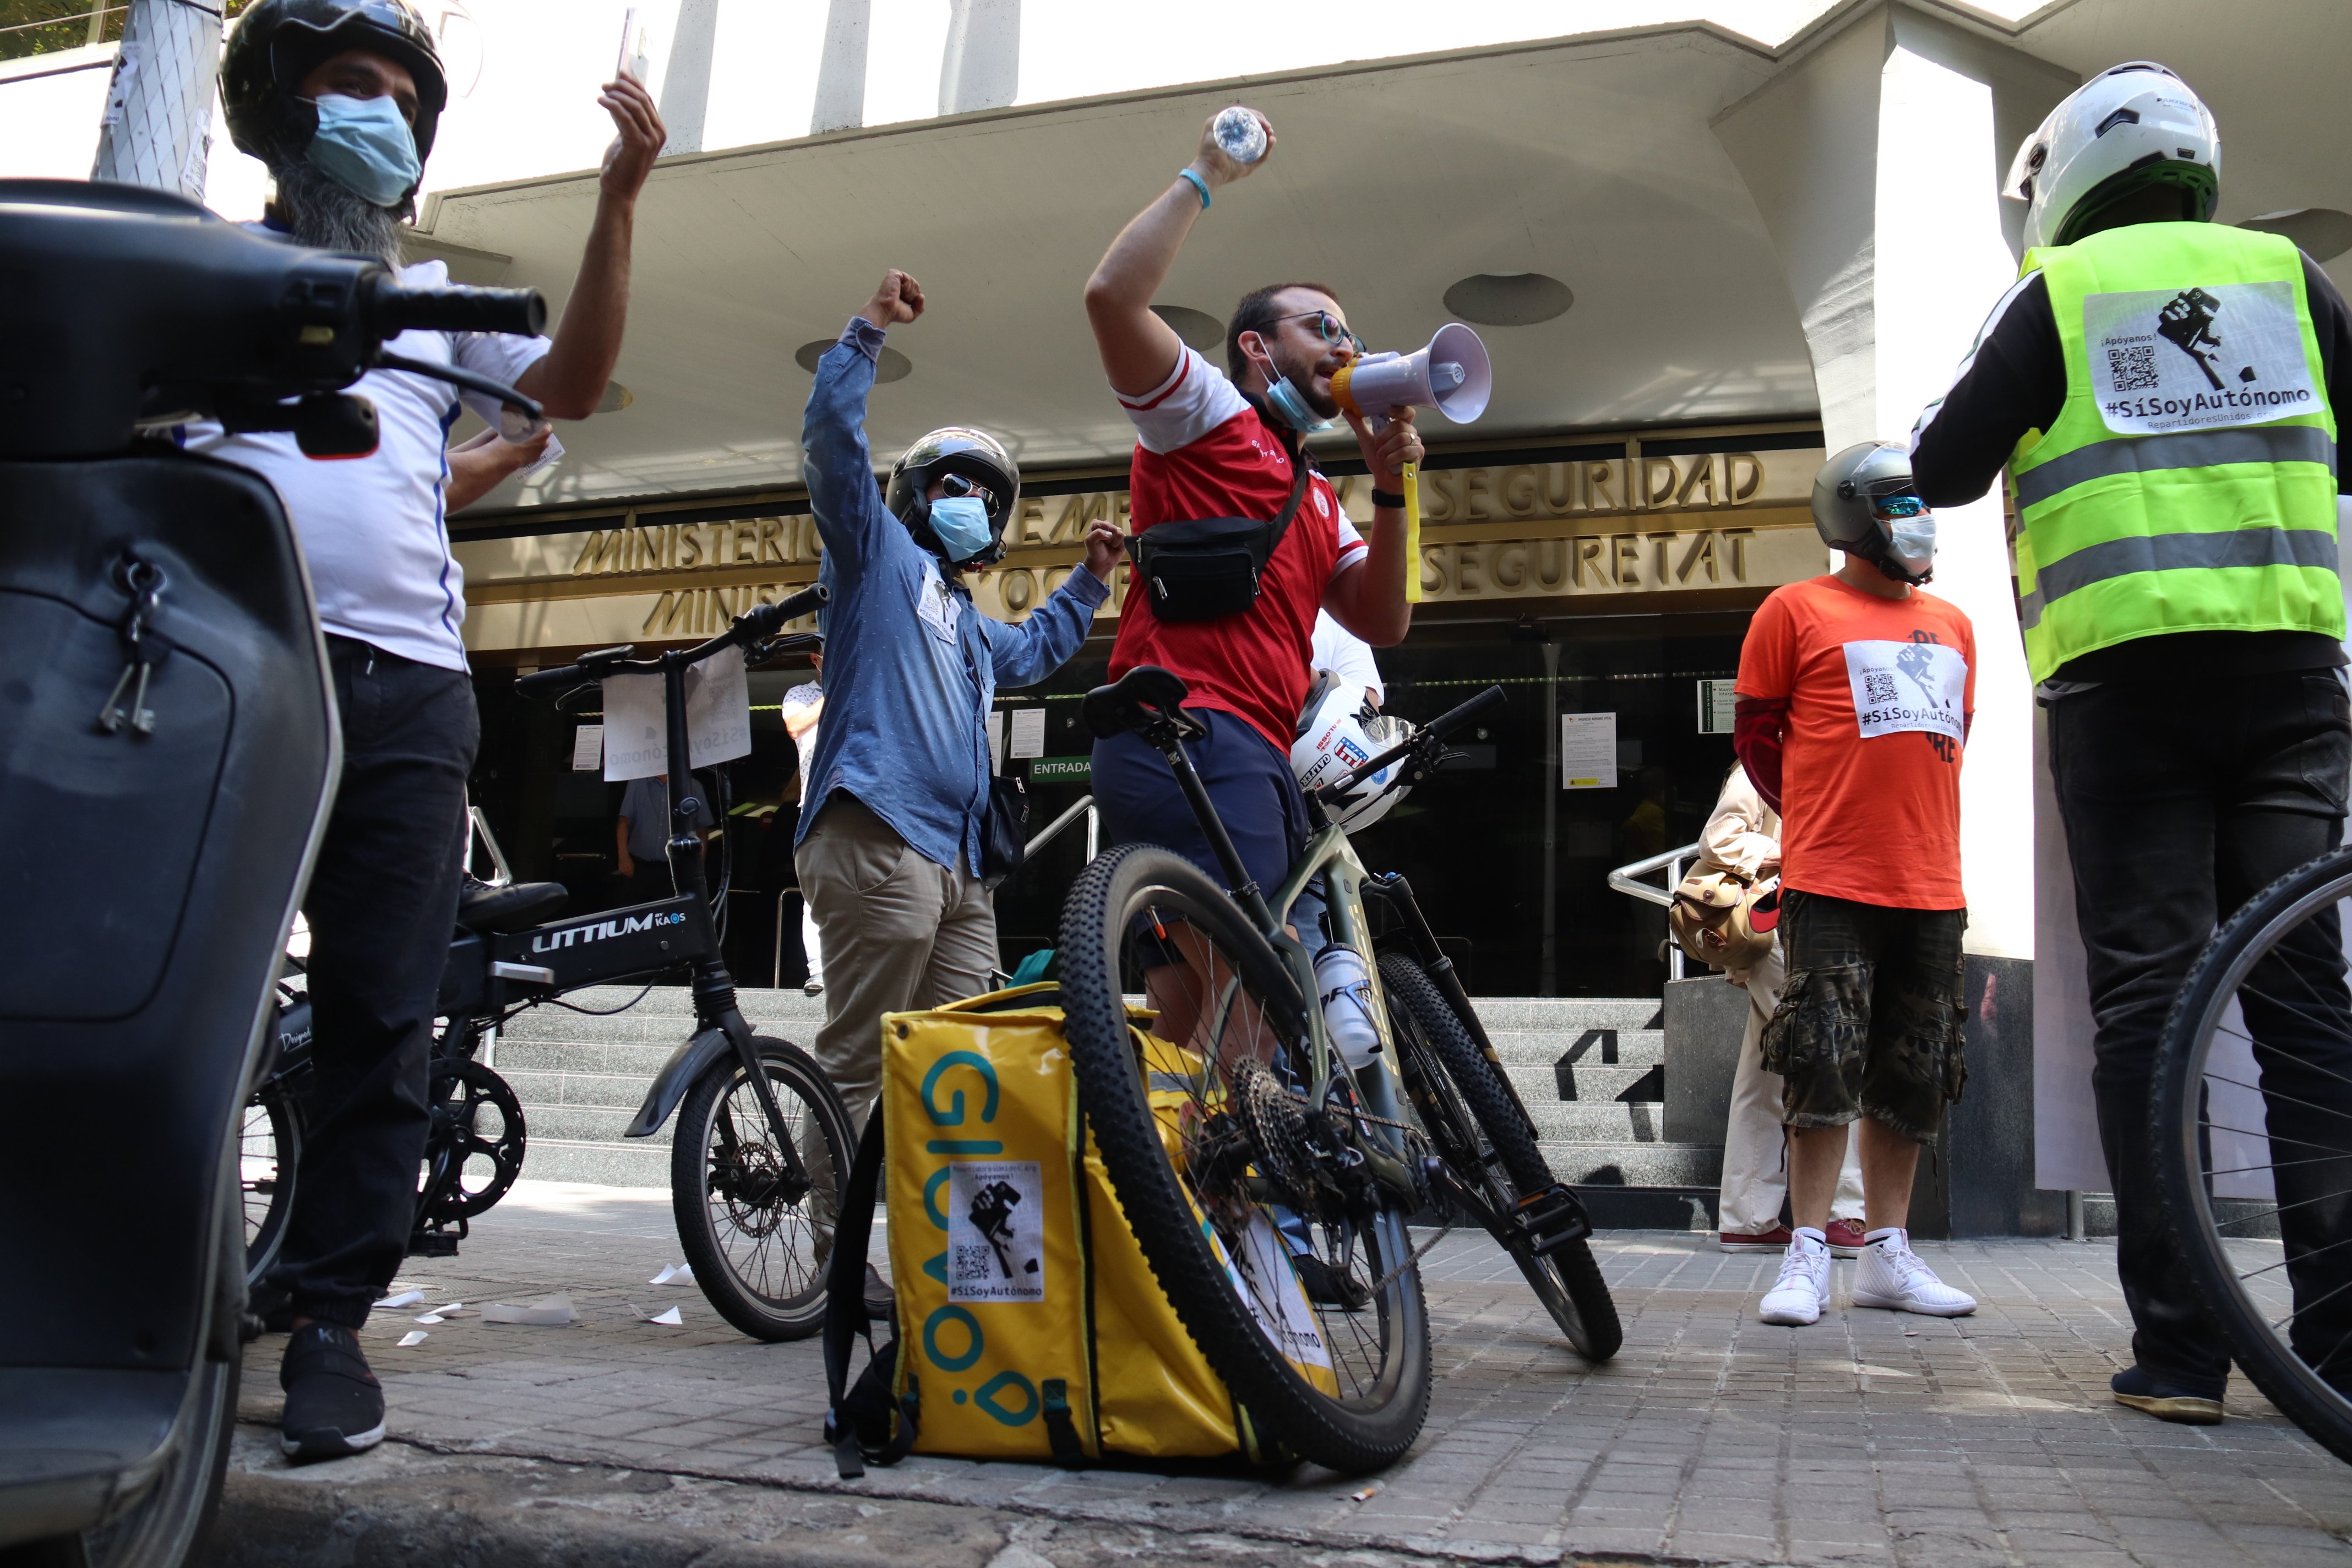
(1755, 1165)
(899, 932)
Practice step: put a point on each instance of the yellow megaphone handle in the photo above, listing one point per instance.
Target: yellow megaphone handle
(1410, 474)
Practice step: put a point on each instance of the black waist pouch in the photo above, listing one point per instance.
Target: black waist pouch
(1200, 570)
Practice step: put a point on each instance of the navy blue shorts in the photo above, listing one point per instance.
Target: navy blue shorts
(1248, 779)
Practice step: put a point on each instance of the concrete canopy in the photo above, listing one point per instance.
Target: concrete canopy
(1588, 160)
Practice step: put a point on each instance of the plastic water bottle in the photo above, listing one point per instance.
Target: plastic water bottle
(1348, 1003)
(1239, 131)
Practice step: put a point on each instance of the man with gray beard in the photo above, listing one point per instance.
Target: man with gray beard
(341, 99)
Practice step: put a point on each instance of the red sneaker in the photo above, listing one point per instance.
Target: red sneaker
(1844, 1237)
(1773, 1240)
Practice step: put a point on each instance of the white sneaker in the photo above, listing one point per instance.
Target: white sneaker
(1797, 1297)
(1891, 1275)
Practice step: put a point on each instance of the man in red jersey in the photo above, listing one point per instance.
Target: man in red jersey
(1855, 691)
(1227, 444)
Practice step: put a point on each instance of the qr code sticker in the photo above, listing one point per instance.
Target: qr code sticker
(1878, 684)
(2132, 367)
(996, 1231)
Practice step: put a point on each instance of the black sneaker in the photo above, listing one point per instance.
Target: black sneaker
(2140, 1389)
(1326, 1289)
(334, 1405)
(881, 1302)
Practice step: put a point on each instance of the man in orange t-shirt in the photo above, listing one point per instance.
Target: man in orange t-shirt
(1855, 692)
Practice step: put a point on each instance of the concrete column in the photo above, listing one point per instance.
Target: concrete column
(841, 73)
(158, 107)
(1876, 161)
(980, 67)
(686, 84)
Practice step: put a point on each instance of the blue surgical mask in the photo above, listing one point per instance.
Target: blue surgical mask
(1292, 404)
(961, 524)
(363, 146)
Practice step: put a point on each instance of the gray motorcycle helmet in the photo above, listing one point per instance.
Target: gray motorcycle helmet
(1849, 495)
(976, 455)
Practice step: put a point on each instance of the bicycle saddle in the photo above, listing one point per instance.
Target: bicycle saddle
(482, 907)
(1142, 699)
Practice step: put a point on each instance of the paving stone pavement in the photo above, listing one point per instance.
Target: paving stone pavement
(1873, 1438)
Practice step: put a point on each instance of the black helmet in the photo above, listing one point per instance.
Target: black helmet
(278, 42)
(1856, 495)
(955, 450)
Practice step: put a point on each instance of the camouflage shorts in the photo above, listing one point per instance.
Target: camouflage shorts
(1870, 1021)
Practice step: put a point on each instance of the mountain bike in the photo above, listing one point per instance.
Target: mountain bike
(760, 1131)
(2253, 1123)
(1268, 1183)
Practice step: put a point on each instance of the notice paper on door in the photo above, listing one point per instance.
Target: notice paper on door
(1588, 750)
(717, 719)
(587, 748)
(1028, 731)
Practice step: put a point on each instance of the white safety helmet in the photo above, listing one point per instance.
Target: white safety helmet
(1336, 736)
(2127, 128)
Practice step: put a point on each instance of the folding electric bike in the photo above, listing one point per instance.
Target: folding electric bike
(761, 1132)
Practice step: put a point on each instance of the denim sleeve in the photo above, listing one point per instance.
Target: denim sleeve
(842, 496)
(1028, 653)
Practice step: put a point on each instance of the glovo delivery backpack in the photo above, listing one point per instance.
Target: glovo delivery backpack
(1029, 1325)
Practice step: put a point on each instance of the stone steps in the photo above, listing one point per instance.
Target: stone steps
(580, 1077)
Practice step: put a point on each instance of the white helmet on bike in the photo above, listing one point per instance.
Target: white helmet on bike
(1336, 735)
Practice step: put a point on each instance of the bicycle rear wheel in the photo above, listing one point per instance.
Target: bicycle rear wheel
(758, 1250)
(1484, 1137)
(2252, 1111)
(270, 1153)
(1291, 1268)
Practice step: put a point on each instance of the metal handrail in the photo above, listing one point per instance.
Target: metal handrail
(1084, 806)
(1625, 880)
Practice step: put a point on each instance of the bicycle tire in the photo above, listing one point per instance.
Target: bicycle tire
(718, 1106)
(2182, 1124)
(1568, 1282)
(265, 1227)
(1362, 1427)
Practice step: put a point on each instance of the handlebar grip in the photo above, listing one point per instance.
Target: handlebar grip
(762, 620)
(563, 678)
(1453, 719)
(520, 312)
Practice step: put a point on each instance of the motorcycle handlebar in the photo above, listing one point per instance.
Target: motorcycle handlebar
(456, 309)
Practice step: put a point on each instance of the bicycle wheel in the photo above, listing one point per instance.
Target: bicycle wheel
(269, 1152)
(1291, 1268)
(1493, 1147)
(758, 1251)
(2252, 1109)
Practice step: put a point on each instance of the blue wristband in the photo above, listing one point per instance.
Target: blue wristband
(1199, 184)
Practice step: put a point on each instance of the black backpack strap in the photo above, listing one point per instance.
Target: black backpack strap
(857, 1420)
(1290, 508)
(1061, 1430)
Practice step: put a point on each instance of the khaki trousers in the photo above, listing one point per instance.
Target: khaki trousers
(899, 932)
(1755, 1162)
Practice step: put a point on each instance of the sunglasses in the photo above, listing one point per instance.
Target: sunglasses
(1334, 331)
(957, 485)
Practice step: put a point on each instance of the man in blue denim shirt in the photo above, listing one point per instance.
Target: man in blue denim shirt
(898, 790)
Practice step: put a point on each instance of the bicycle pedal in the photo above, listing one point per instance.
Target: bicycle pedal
(1550, 1219)
(433, 1243)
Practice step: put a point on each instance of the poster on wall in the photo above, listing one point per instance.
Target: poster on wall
(1716, 706)
(1028, 725)
(1588, 750)
(587, 748)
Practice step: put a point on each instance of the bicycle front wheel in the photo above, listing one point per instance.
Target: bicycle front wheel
(1485, 1136)
(1290, 1267)
(2252, 1109)
(757, 1244)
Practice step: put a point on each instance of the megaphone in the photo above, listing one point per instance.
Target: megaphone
(1450, 375)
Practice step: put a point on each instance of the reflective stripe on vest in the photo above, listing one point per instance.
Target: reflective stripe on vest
(2158, 488)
